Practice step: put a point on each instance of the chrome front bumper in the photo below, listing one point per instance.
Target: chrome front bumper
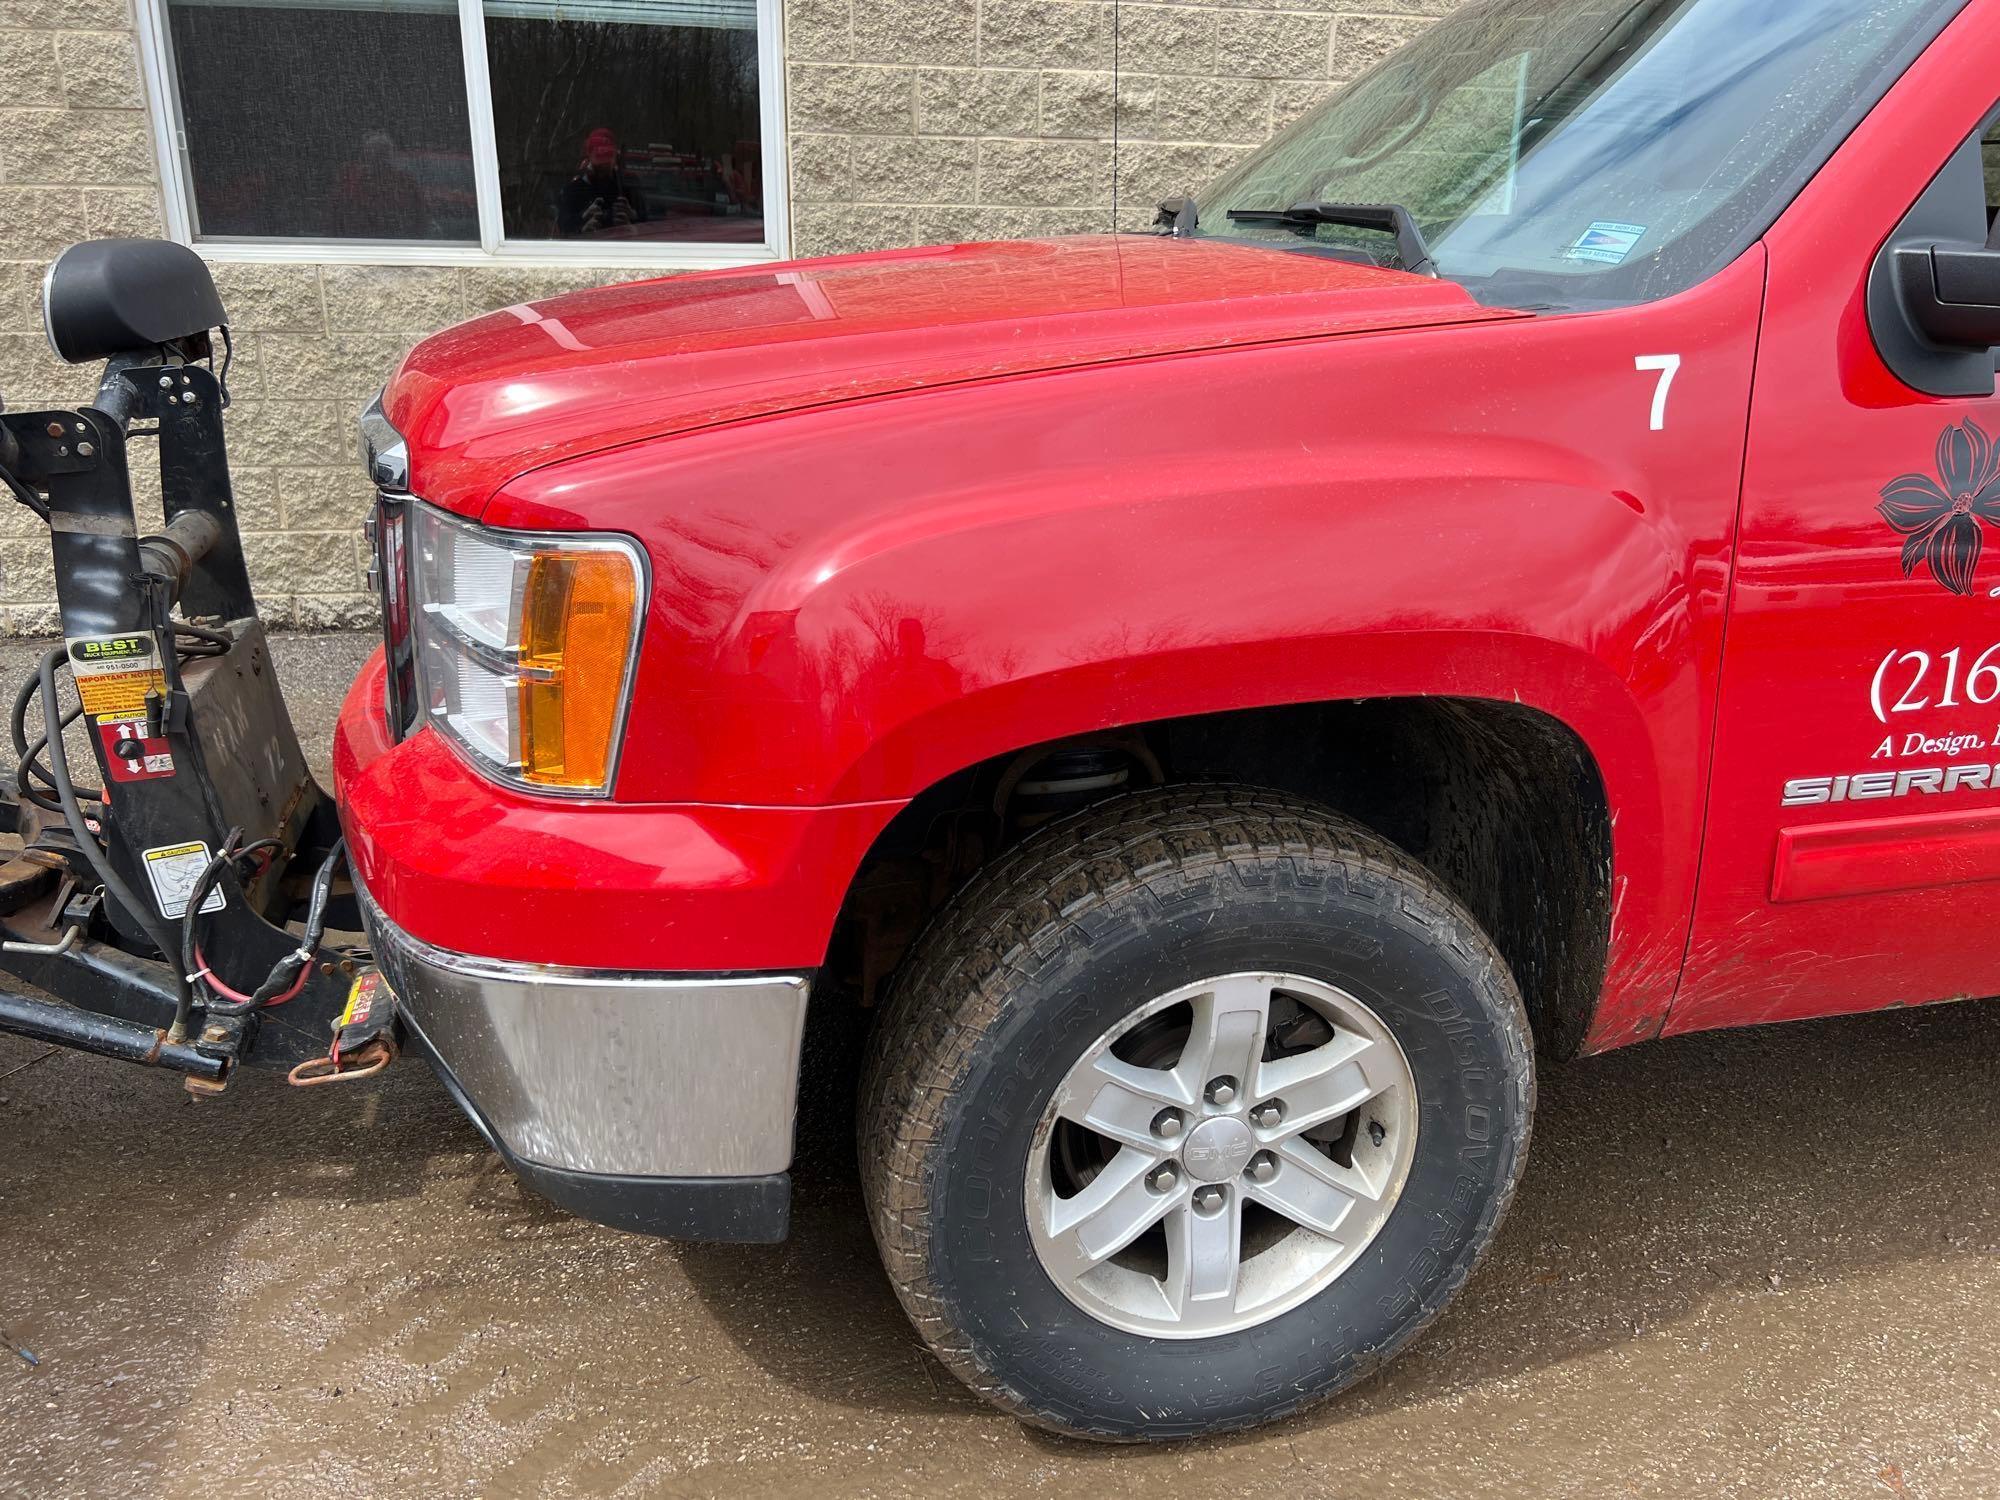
(614, 1075)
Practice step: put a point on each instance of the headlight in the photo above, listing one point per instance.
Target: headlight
(525, 644)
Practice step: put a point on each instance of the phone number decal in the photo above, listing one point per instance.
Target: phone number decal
(1914, 676)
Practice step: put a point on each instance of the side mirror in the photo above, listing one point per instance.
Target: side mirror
(1951, 293)
(1934, 290)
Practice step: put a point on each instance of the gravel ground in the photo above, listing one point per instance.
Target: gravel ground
(1755, 1264)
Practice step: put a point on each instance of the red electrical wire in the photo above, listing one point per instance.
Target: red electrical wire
(237, 997)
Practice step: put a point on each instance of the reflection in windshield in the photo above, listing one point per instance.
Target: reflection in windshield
(1585, 152)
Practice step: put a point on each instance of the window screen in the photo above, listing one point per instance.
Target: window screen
(613, 121)
(325, 122)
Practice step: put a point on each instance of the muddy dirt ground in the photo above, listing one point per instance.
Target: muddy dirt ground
(1751, 1265)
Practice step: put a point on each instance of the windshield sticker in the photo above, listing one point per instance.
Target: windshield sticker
(1606, 243)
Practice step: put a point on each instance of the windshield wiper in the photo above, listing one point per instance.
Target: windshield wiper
(1390, 218)
(1178, 215)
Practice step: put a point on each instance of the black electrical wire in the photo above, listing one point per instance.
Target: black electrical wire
(113, 883)
(287, 969)
(18, 725)
(196, 897)
(22, 695)
(228, 854)
(30, 764)
(27, 754)
(22, 493)
(228, 358)
(32, 759)
(213, 638)
(285, 973)
(258, 846)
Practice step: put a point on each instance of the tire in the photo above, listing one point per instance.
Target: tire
(1005, 1012)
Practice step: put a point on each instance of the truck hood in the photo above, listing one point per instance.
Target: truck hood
(543, 381)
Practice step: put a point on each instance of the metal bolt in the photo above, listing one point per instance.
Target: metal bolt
(1164, 1177)
(1267, 1115)
(213, 1034)
(55, 429)
(1209, 1200)
(1168, 1125)
(166, 382)
(1263, 1167)
(1222, 1091)
(86, 449)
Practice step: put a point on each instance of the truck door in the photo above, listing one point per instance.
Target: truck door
(1853, 831)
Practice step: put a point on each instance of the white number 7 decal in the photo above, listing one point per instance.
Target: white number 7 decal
(1669, 365)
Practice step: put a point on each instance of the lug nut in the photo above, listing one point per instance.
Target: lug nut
(1222, 1091)
(1267, 1115)
(1209, 1200)
(1163, 1178)
(1168, 1125)
(1263, 1167)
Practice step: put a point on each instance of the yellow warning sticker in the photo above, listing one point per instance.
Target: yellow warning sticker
(114, 673)
(360, 999)
(120, 695)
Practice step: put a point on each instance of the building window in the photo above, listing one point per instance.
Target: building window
(599, 130)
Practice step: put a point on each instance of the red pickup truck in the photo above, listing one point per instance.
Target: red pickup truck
(1501, 570)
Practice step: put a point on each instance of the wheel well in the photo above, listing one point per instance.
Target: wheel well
(1503, 803)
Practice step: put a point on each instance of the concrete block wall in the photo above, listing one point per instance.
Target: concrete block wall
(911, 122)
(925, 121)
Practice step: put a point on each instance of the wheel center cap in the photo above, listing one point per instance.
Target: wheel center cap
(1218, 1149)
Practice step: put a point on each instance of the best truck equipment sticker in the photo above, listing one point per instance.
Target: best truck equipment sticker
(114, 673)
(174, 869)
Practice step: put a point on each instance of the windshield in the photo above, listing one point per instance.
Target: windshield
(1570, 153)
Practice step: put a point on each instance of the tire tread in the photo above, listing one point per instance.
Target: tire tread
(953, 987)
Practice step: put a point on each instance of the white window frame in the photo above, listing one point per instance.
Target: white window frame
(170, 150)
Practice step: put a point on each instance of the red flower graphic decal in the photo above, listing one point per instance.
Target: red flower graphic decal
(1940, 519)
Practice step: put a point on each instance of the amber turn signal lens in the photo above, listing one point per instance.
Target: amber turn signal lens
(577, 619)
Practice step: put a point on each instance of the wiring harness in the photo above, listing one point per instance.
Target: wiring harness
(51, 787)
(288, 976)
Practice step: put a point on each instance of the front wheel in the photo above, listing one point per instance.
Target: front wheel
(1190, 1111)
